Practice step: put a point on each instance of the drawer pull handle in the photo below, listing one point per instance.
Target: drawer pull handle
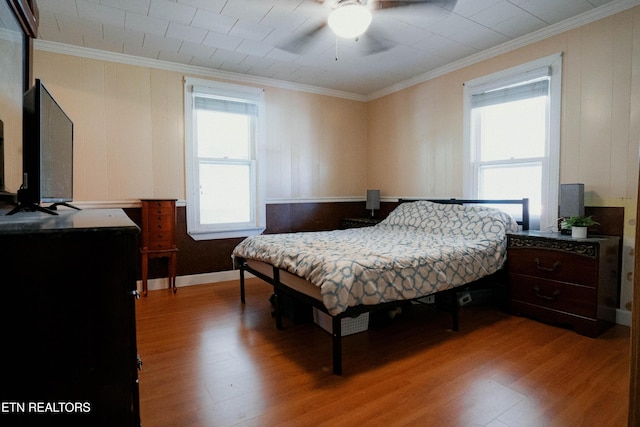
(553, 296)
(539, 267)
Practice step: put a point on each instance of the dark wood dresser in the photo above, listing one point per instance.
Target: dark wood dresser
(564, 281)
(159, 237)
(68, 318)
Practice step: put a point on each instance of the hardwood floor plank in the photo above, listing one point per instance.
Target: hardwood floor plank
(211, 361)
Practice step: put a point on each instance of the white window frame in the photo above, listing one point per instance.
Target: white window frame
(551, 166)
(257, 224)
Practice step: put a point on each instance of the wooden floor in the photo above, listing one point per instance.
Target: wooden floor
(211, 361)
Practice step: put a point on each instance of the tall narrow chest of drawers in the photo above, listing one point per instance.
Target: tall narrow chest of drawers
(565, 281)
(159, 237)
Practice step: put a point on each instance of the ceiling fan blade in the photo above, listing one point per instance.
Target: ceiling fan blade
(388, 4)
(374, 40)
(370, 45)
(298, 43)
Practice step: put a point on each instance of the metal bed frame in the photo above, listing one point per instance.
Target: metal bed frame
(447, 297)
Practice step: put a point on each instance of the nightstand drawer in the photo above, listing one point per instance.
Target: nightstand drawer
(554, 265)
(565, 281)
(566, 297)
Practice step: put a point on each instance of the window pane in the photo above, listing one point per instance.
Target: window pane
(225, 193)
(513, 130)
(513, 182)
(223, 135)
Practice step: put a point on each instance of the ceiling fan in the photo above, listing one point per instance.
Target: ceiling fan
(352, 19)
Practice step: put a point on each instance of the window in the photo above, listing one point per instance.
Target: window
(223, 127)
(512, 137)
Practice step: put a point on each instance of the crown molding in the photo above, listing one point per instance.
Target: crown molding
(601, 12)
(66, 49)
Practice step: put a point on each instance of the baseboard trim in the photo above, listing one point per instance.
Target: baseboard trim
(623, 317)
(191, 280)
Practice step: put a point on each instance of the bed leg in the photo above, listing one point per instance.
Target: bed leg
(278, 302)
(454, 311)
(242, 283)
(337, 344)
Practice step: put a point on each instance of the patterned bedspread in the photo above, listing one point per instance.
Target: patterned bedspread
(419, 249)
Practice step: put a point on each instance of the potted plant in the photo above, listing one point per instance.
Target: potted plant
(578, 225)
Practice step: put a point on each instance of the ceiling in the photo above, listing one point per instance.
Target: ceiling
(241, 36)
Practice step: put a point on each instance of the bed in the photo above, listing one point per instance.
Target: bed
(424, 247)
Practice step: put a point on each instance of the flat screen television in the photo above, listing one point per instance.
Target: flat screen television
(47, 153)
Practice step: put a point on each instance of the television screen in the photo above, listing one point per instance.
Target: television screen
(56, 145)
(47, 151)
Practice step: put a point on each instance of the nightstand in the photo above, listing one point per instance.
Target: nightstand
(564, 281)
(359, 222)
(159, 237)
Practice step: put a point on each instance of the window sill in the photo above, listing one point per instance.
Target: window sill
(225, 234)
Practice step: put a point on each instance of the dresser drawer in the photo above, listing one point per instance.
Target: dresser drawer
(565, 297)
(554, 265)
(161, 223)
(160, 232)
(155, 245)
(163, 234)
(160, 204)
(161, 212)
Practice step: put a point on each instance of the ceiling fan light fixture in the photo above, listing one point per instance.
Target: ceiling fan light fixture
(350, 20)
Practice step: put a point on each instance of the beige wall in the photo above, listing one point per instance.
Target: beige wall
(129, 133)
(316, 146)
(419, 131)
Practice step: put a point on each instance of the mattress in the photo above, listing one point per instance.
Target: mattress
(421, 248)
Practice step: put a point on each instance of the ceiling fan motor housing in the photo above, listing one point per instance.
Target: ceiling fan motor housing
(350, 19)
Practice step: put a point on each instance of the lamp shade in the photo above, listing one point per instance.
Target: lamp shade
(373, 199)
(350, 20)
(571, 200)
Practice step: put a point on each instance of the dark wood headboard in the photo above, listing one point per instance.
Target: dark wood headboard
(610, 220)
(524, 203)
